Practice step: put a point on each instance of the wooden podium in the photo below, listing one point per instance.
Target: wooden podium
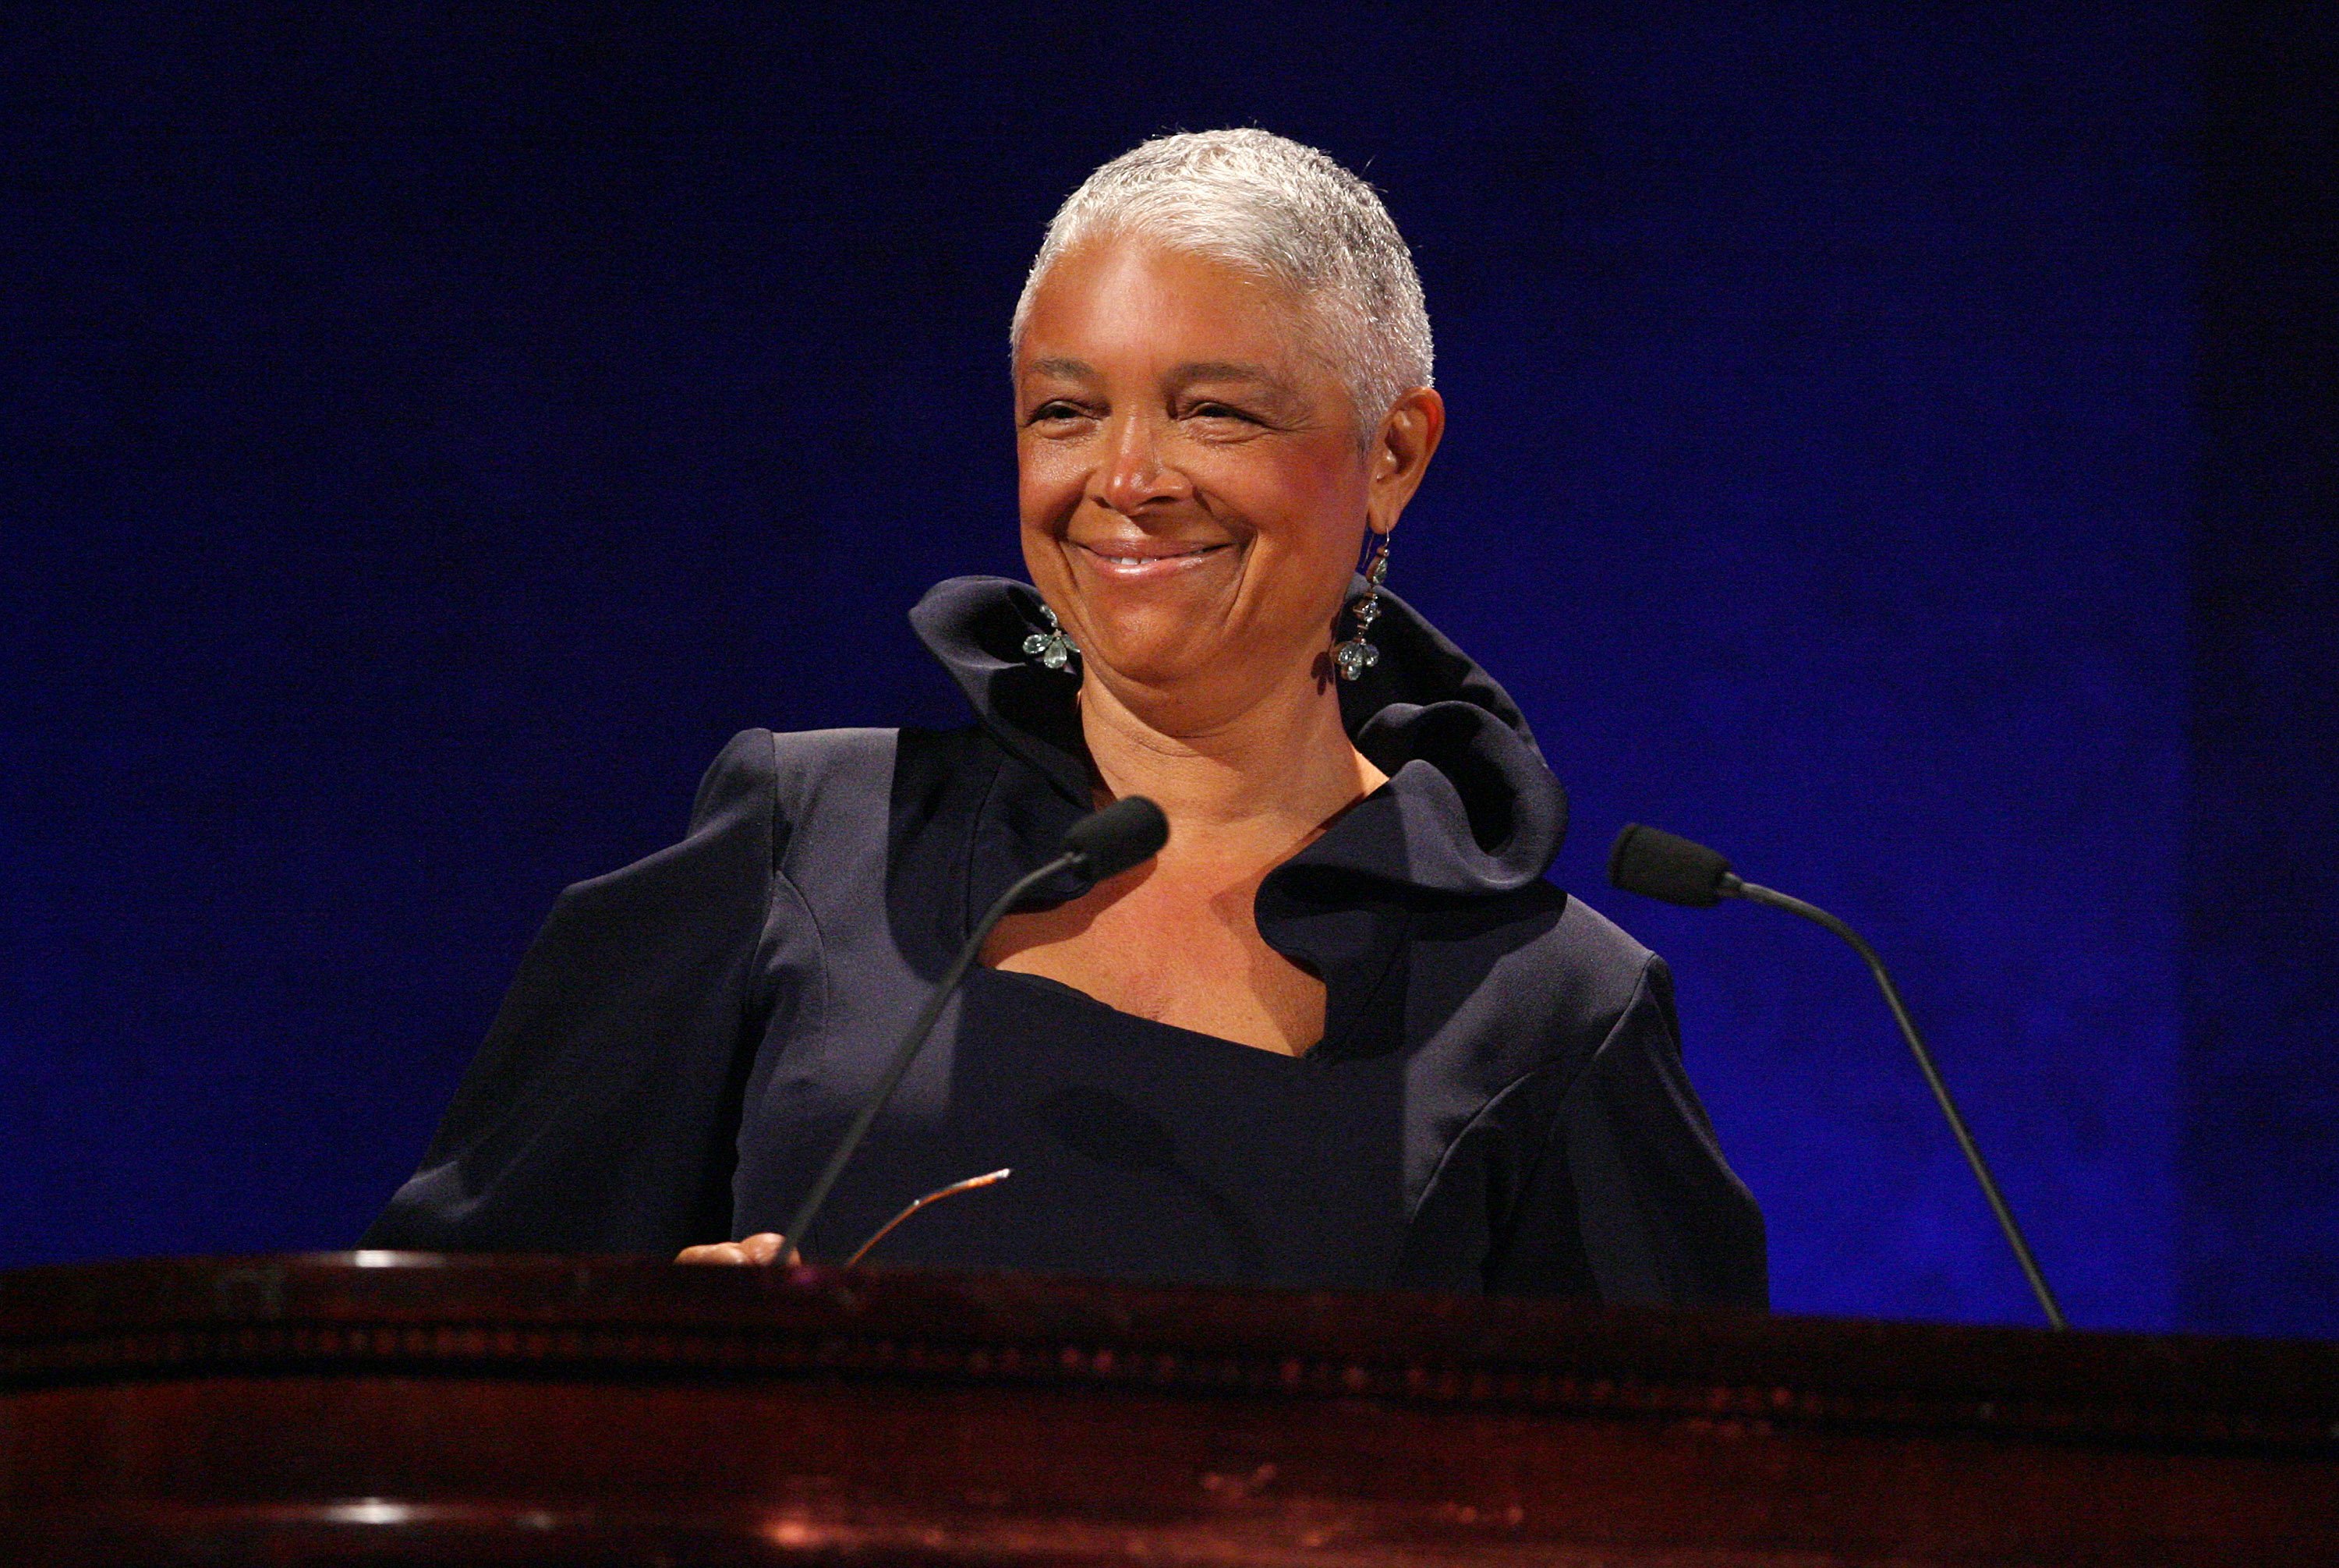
(398, 1408)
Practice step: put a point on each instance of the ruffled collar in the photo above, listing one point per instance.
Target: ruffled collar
(1470, 807)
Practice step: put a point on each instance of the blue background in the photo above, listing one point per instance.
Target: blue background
(1893, 444)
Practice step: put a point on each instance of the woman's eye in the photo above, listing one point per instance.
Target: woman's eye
(1219, 411)
(1054, 409)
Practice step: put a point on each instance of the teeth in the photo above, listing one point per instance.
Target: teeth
(1148, 560)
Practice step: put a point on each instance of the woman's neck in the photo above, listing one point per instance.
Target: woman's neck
(1249, 783)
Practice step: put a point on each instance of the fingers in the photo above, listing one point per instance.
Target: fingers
(716, 1252)
(765, 1246)
(769, 1247)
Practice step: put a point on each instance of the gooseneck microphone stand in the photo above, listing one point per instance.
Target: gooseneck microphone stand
(1752, 893)
(1104, 843)
(1663, 865)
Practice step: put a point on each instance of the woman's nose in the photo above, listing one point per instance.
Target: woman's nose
(1135, 470)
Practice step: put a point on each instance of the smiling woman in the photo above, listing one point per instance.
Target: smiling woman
(1339, 1033)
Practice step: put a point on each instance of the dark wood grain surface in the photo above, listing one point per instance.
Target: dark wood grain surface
(393, 1408)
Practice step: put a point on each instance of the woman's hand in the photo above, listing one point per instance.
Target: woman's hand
(766, 1246)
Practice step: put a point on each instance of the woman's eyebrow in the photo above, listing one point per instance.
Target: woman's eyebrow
(1063, 368)
(1226, 370)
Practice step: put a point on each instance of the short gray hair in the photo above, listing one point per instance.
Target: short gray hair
(1271, 206)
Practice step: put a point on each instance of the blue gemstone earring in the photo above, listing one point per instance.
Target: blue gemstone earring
(1051, 648)
(1356, 655)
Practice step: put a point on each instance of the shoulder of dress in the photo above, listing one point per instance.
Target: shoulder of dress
(807, 764)
(825, 802)
(1551, 930)
(725, 852)
(786, 772)
(1600, 968)
(1539, 969)
(1587, 941)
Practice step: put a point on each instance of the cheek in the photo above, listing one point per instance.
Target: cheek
(1308, 511)
(1309, 504)
(1047, 484)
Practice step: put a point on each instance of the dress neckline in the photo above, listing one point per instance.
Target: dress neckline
(1216, 1041)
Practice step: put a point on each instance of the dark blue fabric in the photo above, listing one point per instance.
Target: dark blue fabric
(1497, 1102)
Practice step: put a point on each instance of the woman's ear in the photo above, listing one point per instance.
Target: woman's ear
(1409, 437)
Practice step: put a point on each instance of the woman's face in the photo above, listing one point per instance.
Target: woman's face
(1194, 492)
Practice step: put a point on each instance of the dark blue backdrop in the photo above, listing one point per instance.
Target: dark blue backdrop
(428, 433)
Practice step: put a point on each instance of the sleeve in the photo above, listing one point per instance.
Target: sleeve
(1631, 1194)
(602, 1113)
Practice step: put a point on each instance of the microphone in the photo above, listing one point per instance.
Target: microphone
(1663, 865)
(1658, 865)
(1103, 844)
(1107, 842)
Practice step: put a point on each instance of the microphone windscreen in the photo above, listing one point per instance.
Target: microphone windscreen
(1125, 834)
(1659, 864)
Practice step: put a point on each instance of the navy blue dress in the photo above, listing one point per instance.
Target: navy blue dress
(1497, 1104)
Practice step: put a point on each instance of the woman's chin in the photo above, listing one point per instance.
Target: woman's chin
(1162, 657)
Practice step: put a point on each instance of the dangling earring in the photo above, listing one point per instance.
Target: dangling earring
(1051, 648)
(1356, 655)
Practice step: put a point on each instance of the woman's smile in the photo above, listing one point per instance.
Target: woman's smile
(1144, 560)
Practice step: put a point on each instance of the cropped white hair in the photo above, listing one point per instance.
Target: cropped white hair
(1274, 207)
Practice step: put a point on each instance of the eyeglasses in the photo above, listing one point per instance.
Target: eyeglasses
(987, 1179)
